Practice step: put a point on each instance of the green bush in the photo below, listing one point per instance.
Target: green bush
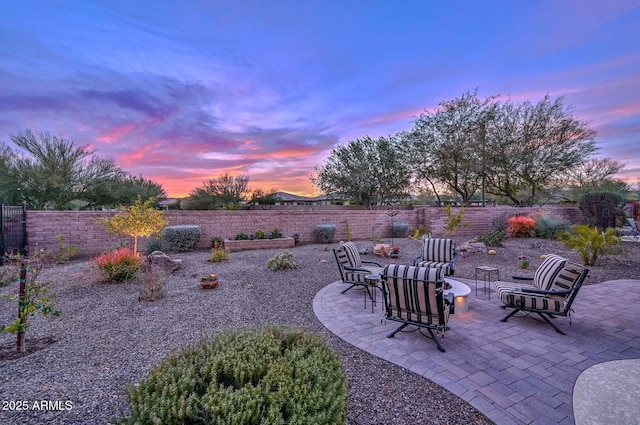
(493, 238)
(219, 255)
(181, 238)
(325, 232)
(400, 229)
(268, 375)
(550, 226)
(282, 261)
(601, 208)
(241, 237)
(260, 234)
(276, 234)
(591, 242)
(154, 245)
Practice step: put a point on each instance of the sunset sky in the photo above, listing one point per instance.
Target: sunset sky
(183, 91)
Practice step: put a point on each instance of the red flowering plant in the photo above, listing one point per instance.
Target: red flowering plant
(119, 265)
(520, 226)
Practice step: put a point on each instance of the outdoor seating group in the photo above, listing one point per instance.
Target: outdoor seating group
(416, 294)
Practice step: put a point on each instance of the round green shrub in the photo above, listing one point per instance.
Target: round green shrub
(493, 238)
(181, 238)
(400, 229)
(267, 375)
(550, 226)
(325, 232)
(282, 261)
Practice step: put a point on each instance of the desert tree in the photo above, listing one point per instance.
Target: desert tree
(365, 171)
(224, 192)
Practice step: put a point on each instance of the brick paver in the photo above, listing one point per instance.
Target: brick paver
(519, 372)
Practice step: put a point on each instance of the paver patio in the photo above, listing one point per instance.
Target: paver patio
(518, 372)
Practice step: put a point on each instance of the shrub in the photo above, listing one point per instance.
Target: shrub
(266, 375)
(181, 238)
(325, 232)
(152, 286)
(400, 229)
(520, 227)
(550, 226)
(453, 221)
(276, 234)
(65, 252)
(591, 242)
(501, 222)
(282, 261)
(219, 255)
(260, 234)
(119, 265)
(493, 238)
(241, 237)
(154, 245)
(600, 209)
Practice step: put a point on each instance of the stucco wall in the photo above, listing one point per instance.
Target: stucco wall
(83, 228)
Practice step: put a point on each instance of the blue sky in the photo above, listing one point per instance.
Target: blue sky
(183, 91)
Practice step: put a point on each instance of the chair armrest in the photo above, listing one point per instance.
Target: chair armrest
(522, 277)
(356, 269)
(448, 300)
(416, 259)
(543, 292)
(371, 262)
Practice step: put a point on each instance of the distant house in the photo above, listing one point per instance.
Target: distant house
(285, 198)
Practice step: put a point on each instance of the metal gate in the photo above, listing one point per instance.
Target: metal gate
(13, 229)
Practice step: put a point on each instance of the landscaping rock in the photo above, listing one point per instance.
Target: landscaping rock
(158, 259)
(473, 247)
(382, 249)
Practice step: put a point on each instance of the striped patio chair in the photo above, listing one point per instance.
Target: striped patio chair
(352, 268)
(415, 296)
(553, 289)
(437, 253)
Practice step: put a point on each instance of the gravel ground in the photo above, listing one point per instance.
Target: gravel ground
(106, 339)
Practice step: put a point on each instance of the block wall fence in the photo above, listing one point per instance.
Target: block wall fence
(82, 228)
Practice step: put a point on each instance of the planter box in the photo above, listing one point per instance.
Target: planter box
(234, 245)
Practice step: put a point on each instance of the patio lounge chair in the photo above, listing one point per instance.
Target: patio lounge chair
(415, 296)
(437, 253)
(352, 268)
(554, 287)
(634, 227)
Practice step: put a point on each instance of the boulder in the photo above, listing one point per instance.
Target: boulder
(382, 250)
(160, 260)
(473, 247)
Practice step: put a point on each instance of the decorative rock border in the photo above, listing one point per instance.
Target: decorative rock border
(242, 245)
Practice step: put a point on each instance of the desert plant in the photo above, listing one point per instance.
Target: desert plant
(181, 238)
(601, 208)
(523, 263)
(241, 237)
(119, 265)
(282, 261)
(64, 252)
(217, 242)
(493, 238)
(152, 285)
(501, 221)
(453, 221)
(400, 229)
(550, 226)
(260, 234)
(520, 227)
(325, 232)
(267, 375)
(591, 242)
(275, 234)
(137, 220)
(419, 232)
(33, 296)
(154, 244)
(219, 255)
(347, 230)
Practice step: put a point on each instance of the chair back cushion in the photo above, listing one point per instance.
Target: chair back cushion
(548, 271)
(438, 250)
(414, 294)
(567, 278)
(352, 253)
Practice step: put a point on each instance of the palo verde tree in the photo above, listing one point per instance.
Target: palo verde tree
(224, 192)
(447, 145)
(366, 171)
(137, 220)
(532, 146)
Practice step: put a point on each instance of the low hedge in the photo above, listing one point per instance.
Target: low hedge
(267, 375)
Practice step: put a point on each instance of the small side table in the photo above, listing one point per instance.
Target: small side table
(372, 281)
(485, 274)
